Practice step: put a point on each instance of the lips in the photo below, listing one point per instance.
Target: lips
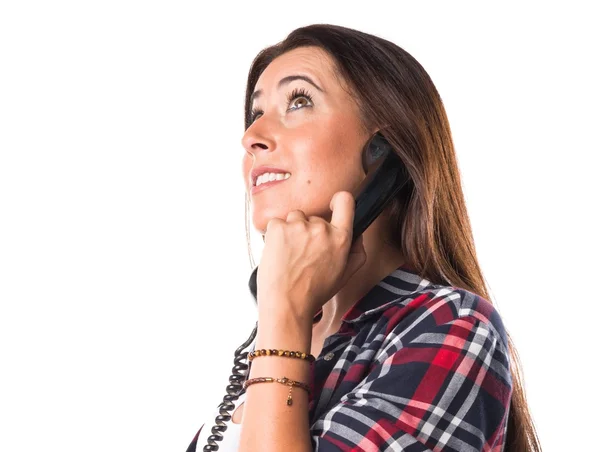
(264, 169)
(266, 185)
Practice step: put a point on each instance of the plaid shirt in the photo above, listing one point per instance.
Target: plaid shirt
(415, 366)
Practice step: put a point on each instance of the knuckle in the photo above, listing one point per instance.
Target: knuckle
(295, 215)
(319, 227)
(298, 227)
(274, 225)
(345, 236)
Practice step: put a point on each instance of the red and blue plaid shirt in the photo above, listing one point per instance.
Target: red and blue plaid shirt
(415, 366)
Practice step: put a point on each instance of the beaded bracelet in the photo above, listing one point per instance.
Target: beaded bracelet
(283, 380)
(268, 352)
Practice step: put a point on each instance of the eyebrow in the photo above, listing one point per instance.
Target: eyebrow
(285, 81)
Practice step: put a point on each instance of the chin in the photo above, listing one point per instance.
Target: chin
(261, 219)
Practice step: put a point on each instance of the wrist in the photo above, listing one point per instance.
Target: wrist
(280, 311)
(282, 329)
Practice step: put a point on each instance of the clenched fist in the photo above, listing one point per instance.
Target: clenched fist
(306, 261)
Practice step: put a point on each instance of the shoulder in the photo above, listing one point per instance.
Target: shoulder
(437, 306)
(474, 308)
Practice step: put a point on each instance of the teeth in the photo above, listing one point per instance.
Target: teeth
(268, 177)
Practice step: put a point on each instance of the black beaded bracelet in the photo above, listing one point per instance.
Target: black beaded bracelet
(274, 352)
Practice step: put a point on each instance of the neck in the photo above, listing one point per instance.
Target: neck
(382, 259)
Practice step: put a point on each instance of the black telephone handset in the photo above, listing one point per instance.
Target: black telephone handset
(386, 175)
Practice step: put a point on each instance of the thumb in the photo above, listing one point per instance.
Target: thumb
(342, 210)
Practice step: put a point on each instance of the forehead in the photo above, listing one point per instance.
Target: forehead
(303, 60)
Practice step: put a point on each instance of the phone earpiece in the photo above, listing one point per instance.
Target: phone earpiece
(386, 175)
(375, 148)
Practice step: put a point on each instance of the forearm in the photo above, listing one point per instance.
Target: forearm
(269, 423)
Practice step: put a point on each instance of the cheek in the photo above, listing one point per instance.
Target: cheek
(334, 148)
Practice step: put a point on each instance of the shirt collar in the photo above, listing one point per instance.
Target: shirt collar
(401, 283)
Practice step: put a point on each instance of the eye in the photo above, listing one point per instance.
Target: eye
(299, 98)
(254, 114)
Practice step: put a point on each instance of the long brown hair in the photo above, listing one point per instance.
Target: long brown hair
(429, 219)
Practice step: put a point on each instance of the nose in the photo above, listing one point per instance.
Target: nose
(258, 137)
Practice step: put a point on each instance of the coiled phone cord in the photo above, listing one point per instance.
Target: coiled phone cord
(233, 389)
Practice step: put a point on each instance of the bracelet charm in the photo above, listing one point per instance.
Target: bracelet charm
(283, 380)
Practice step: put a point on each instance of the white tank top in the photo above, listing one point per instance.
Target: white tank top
(231, 436)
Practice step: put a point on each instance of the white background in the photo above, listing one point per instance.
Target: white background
(123, 262)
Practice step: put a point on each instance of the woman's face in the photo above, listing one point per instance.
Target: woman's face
(306, 124)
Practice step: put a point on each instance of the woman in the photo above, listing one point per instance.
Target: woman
(409, 353)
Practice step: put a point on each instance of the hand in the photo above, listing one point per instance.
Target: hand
(306, 261)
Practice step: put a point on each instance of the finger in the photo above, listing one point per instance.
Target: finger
(296, 215)
(342, 207)
(272, 223)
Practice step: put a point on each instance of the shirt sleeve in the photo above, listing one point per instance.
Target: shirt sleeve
(447, 389)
